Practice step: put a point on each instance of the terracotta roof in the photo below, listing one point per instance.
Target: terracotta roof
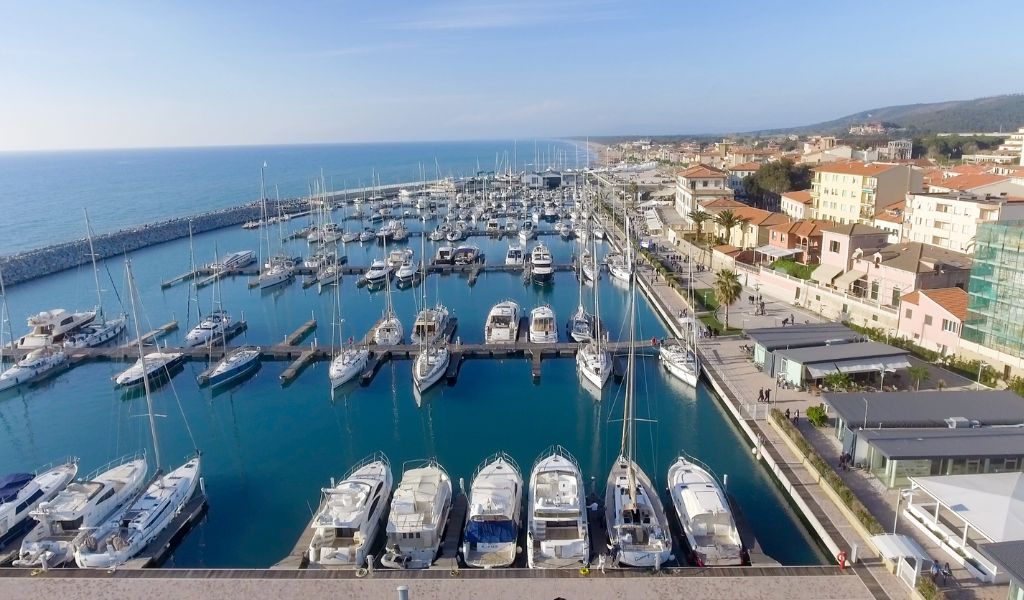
(701, 170)
(727, 249)
(747, 166)
(913, 297)
(759, 216)
(722, 203)
(892, 213)
(801, 228)
(969, 181)
(970, 169)
(854, 167)
(853, 229)
(801, 196)
(954, 300)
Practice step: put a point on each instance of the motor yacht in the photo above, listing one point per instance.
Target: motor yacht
(502, 325)
(704, 514)
(543, 326)
(557, 534)
(514, 256)
(51, 327)
(378, 273)
(78, 507)
(21, 493)
(350, 513)
(495, 514)
(542, 268)
(209, 328)
(419, 512)
(430, 325)
(235, 365)
(397, 257)
(37, 365)
(466, 254)
(445, 255)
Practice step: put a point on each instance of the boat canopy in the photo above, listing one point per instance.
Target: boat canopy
(491, 532)
(11, 484)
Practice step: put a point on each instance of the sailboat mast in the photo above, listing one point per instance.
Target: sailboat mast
(597, 296)
(142, 359)
(95, 269)
(5, 318)
(629, 422)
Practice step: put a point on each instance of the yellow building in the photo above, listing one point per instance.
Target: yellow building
(854, 192)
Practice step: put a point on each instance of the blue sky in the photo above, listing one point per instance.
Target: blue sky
(189, 72)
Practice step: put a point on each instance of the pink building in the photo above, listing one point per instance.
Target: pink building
(888, 273)
(803, 235)
(932, 318)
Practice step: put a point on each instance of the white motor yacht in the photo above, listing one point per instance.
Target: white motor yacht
(378, 272)
(37, 365)
(445, 255)
(151, 367)
(78, 507)
(348, 364)
(704, 514)
(350, 513)
(542, 269)
(514, 256)
(406, 273)
(419, 512)
(127, 532)
(502, 326)
(495, 513)
(21, 493)
(397, 257)
(51, 326)
(527, 231)
(430, 366)
(557, 534)
(237, 260)
(430, 325)
(237, 364)
(543, 326)
(209, 328)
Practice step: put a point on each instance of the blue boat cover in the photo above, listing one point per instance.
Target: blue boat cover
(491, 532)
(11, 484)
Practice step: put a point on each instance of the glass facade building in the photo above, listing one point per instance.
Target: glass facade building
(995, 306)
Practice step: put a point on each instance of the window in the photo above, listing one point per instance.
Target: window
(874, 290)
(927, 319)
(833, 246)
(908, 313)
(948, 325)
(895, 300)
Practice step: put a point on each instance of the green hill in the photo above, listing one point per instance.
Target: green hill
(996, 113)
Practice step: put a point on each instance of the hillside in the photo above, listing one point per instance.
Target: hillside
(994, 113)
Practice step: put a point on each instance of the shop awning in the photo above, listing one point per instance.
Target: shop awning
(824, 274)
(859, 365)
(893, 546)
(848, 278)
(819, 370)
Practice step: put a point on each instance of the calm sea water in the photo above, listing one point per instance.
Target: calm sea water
(268, 450)
(43, 193)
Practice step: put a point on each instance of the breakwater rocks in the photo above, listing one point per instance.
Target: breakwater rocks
(28, 265)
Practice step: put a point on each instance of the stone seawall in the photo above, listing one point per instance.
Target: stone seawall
(21, 267)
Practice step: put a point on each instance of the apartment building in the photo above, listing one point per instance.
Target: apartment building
(796, 205)
(698, 184)
(854, 192)
(950, 219)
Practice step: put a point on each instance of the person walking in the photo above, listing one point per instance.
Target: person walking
(760, 395)
(768, 396)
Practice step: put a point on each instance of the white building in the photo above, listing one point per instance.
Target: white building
(950, 220)
(797, 205)
(698, 184)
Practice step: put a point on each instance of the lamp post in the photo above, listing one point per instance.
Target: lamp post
(903, 494)
(881, 381)
(981, 365)
(865, 399)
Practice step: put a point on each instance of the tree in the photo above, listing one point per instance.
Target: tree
(837, 381)
(773, 179)
(699, 217)
(727, 220)
(918, 373)
(727, 290)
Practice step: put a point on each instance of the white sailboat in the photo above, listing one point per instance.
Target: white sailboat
(495, 513)
(680, 359)
(127, 532)
(581, 322)
(593, 361)
(557, 534)
(350, 513)
(148, 368)
(101, 330)
(638, 528)
(277, 268)
(419, 512)
(389, 330)
(429, 332)
(351, 360)
(21, 493)
(81, 505)
(704, 514)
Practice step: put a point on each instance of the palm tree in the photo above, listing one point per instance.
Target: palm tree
(728, 220)
(918, 373)
(699, 217)
(727, 290)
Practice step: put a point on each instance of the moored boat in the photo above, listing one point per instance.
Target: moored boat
(558, 535)
(543, 326)
(419, 512)
(704, 514)
(236, 364)
(495, 513)
(502, 325)
(21, 493)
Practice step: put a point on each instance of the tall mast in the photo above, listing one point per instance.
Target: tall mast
(95, 269)
(5, 318)
(263, 210)
(629, 424)
(597, 297)
(142, 359)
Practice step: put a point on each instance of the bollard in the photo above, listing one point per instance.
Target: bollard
(853, 553)
(403, 592)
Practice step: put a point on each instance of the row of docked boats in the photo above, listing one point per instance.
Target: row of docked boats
(557, 516)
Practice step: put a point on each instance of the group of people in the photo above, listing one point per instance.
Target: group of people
(765, 395)
(845, 460)
(945, 571)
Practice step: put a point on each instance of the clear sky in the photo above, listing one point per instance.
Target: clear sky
(95, 74)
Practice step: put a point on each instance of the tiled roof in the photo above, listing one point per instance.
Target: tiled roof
(892, 213)
(954, 300)
(968, 181)
(726, 249)
(801, 196)
(701, 170)
(759, 216)
(801, 228)
(916, 257)
(747, 166)
(722, 203)
(854, 167)
(853, 229)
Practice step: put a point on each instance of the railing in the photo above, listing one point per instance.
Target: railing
(845, 295)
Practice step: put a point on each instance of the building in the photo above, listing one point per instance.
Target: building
(888, 273)
(841, 242)
(899, 149)
(804, 236)
(796, 205)
(768, 340)
(980, 184)
(868, 129)
(951, 219)
(865, 361)
(995, 305)
(753, 231)
(854, 192)
(699, 184)
(738, 172)
(933, 319)
(1010, 152)
(890, 218)
(1008, 557)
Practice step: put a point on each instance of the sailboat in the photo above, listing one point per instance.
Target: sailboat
(351, 359)
(680, 359)
(389, 330)
(211, 326)
(495, 513)
(127, 532)
(593, 361)
(431, 323)
(581, 322)
(100, 331)
(637, 525)
(620, 266)
(429, 331)
(278, 268)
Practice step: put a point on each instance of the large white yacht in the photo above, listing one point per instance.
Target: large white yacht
(81, 505)
(36, 365)
(151, 367)
(542, 269)
(557, 534)
(514, 256)
(502, 325)
(430, 366)
(419, 511)
(704, 514)
(430, 325)
(389, 330)
(209, 328)
(495, 513)
(378, 272)
(21, 493)
(543, 326)
(51, 327)
(350, 513)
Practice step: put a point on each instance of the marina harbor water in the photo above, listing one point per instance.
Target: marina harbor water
(268, 449)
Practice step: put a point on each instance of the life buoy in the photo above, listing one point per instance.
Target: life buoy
(584, 570)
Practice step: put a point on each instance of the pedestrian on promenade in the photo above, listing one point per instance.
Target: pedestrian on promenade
(796, 418)
(787, 414)
(935, 570)
(768, 395)
(760, 395)
(792, 319)
(946, 572)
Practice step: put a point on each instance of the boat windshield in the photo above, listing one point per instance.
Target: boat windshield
(491, 532)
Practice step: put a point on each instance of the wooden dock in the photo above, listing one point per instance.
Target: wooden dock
(297, 366)
(157, 333)
(454, 366)
(448, 557)
(296, 337)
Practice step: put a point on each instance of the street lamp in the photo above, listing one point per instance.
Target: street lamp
(881, 381)
(908, 494)
(981, 365)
